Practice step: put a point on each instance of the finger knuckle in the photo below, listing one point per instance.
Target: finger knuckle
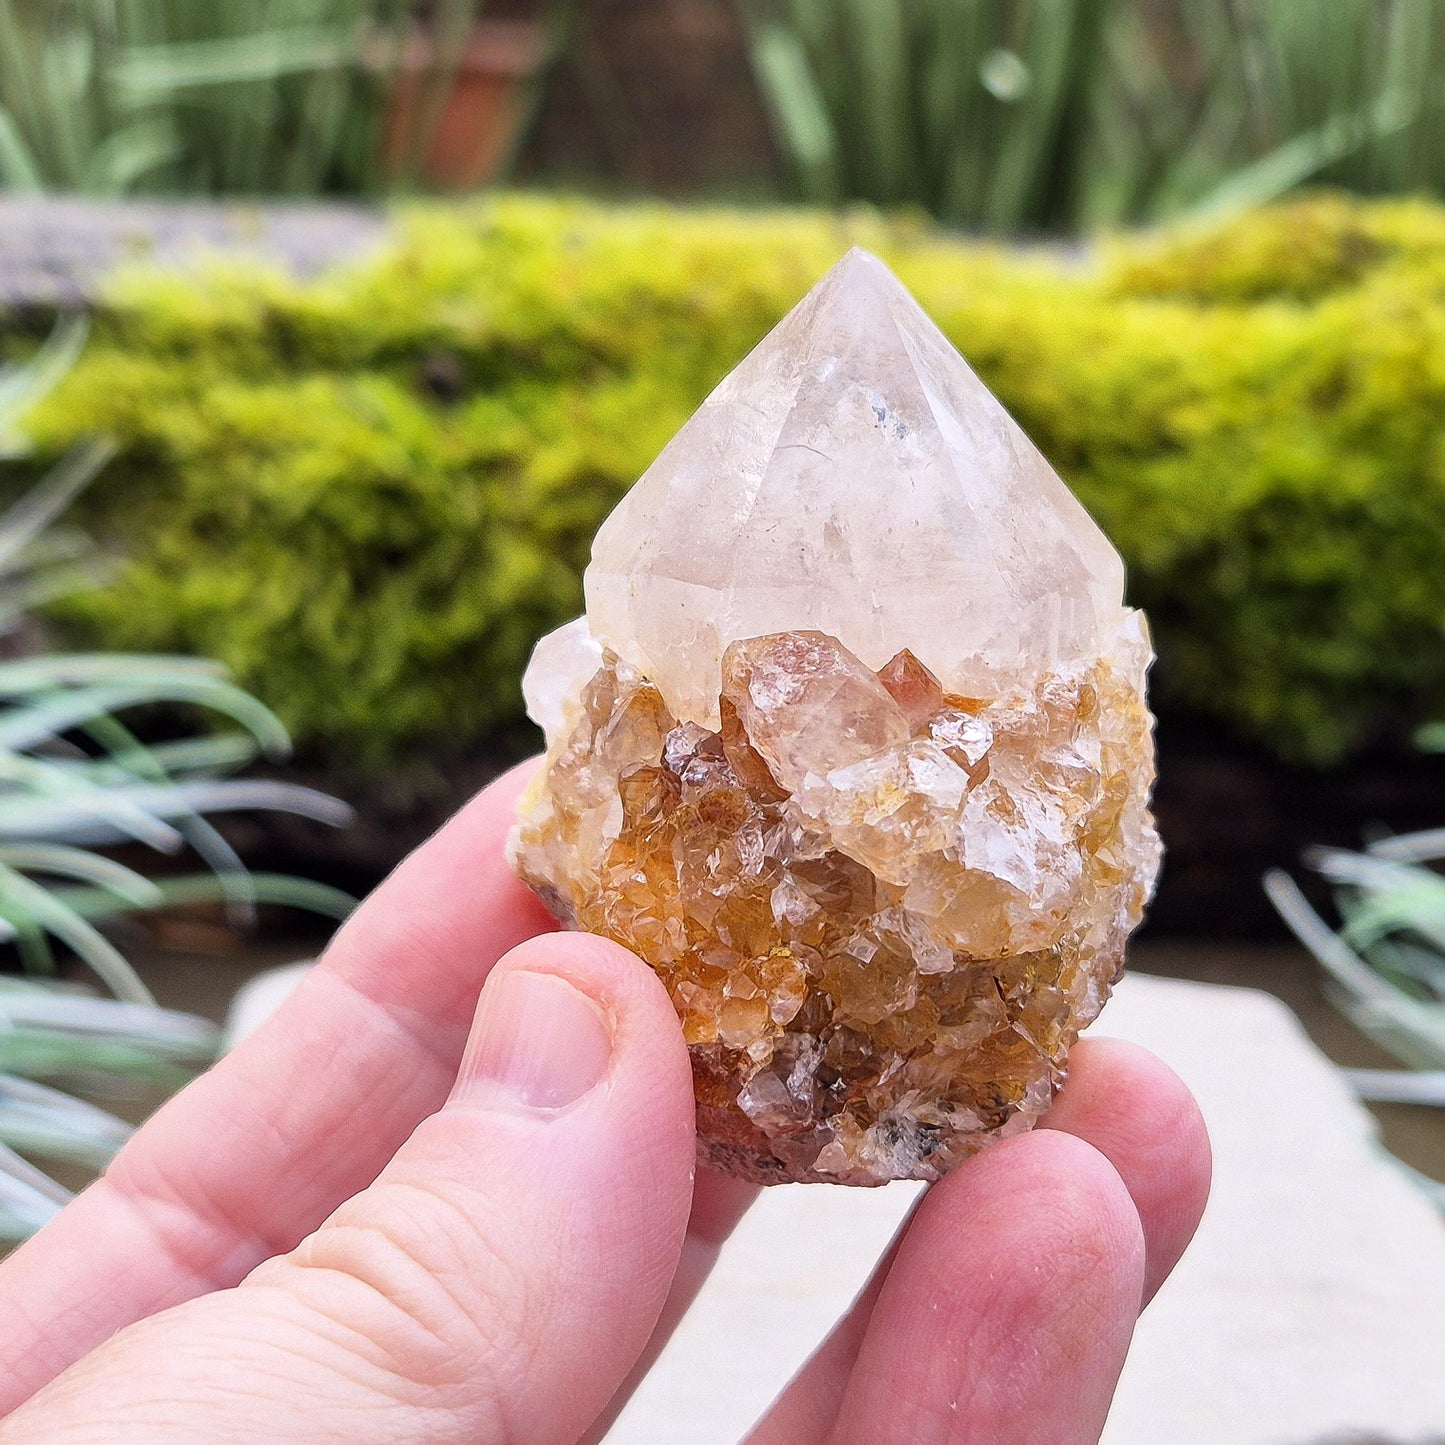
(424, 1295)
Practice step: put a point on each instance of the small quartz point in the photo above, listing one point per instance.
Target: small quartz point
(852, 748)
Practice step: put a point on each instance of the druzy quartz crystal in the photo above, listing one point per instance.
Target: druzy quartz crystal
(851, 747)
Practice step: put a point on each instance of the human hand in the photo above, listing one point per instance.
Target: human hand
(364, 1226)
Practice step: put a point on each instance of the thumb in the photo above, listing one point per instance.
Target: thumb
(497, 1280)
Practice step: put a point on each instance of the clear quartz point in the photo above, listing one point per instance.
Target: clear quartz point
(852, 748)
(853, 476)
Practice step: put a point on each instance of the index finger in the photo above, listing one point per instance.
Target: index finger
(256, 1153)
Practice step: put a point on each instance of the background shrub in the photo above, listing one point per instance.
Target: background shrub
(368, 494)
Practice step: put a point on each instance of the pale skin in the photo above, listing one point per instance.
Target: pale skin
(361, 1227)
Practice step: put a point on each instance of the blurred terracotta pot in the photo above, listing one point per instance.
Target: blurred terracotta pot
(453, 128)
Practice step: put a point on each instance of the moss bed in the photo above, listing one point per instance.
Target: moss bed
(369, 492)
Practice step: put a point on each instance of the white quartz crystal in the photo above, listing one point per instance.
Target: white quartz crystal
(562, 662)
(853, 476)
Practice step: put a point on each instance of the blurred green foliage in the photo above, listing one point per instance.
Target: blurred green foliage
(369, 494)
(1010, 115)
(225, 97)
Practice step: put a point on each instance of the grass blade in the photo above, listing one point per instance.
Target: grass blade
(21, 387)
(19, 170)
(799, 111)
(1303, 158)
(49, 716)
(278, 890)
(91, 947)
(146, 73)
(38, 1120)
(28, 1199)
(28, 517)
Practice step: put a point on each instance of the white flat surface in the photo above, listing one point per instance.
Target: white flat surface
(1312, 1302)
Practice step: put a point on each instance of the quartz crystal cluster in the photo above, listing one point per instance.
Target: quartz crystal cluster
(852, 748)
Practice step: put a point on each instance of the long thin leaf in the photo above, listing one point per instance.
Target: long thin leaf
(73, 775)
(52, 715)
(798, 110)
(886, 147)
(156, 72)
(64, 802)
(19, 170)
(1304, 157)
(92, 947)
(213, 850)
(28, 517)
(276, 889)
(28, 1199)
(59, 860)
(1383, 1086)
(1411, 847)
(38, 1120)
(223, 753)
(74, 819)
(73, 1013)
(43, 674)
(21, 387)
(124, 157)
(35, 589)
(1414, 1031)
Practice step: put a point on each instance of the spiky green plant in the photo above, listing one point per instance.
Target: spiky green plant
(1239, 101)
(247, 97)
(971, 109)
(1004, 115)
(56, 1038)
(1386, 963)
(75, 778)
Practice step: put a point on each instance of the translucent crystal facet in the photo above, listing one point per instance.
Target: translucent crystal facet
(854, 477)
(852, 749)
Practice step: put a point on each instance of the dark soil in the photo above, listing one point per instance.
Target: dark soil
(1228, 812)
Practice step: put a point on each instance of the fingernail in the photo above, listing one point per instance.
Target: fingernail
(537, 1042)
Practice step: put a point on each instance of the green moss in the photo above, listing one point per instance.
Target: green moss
(369, 493)
(1301, 251)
